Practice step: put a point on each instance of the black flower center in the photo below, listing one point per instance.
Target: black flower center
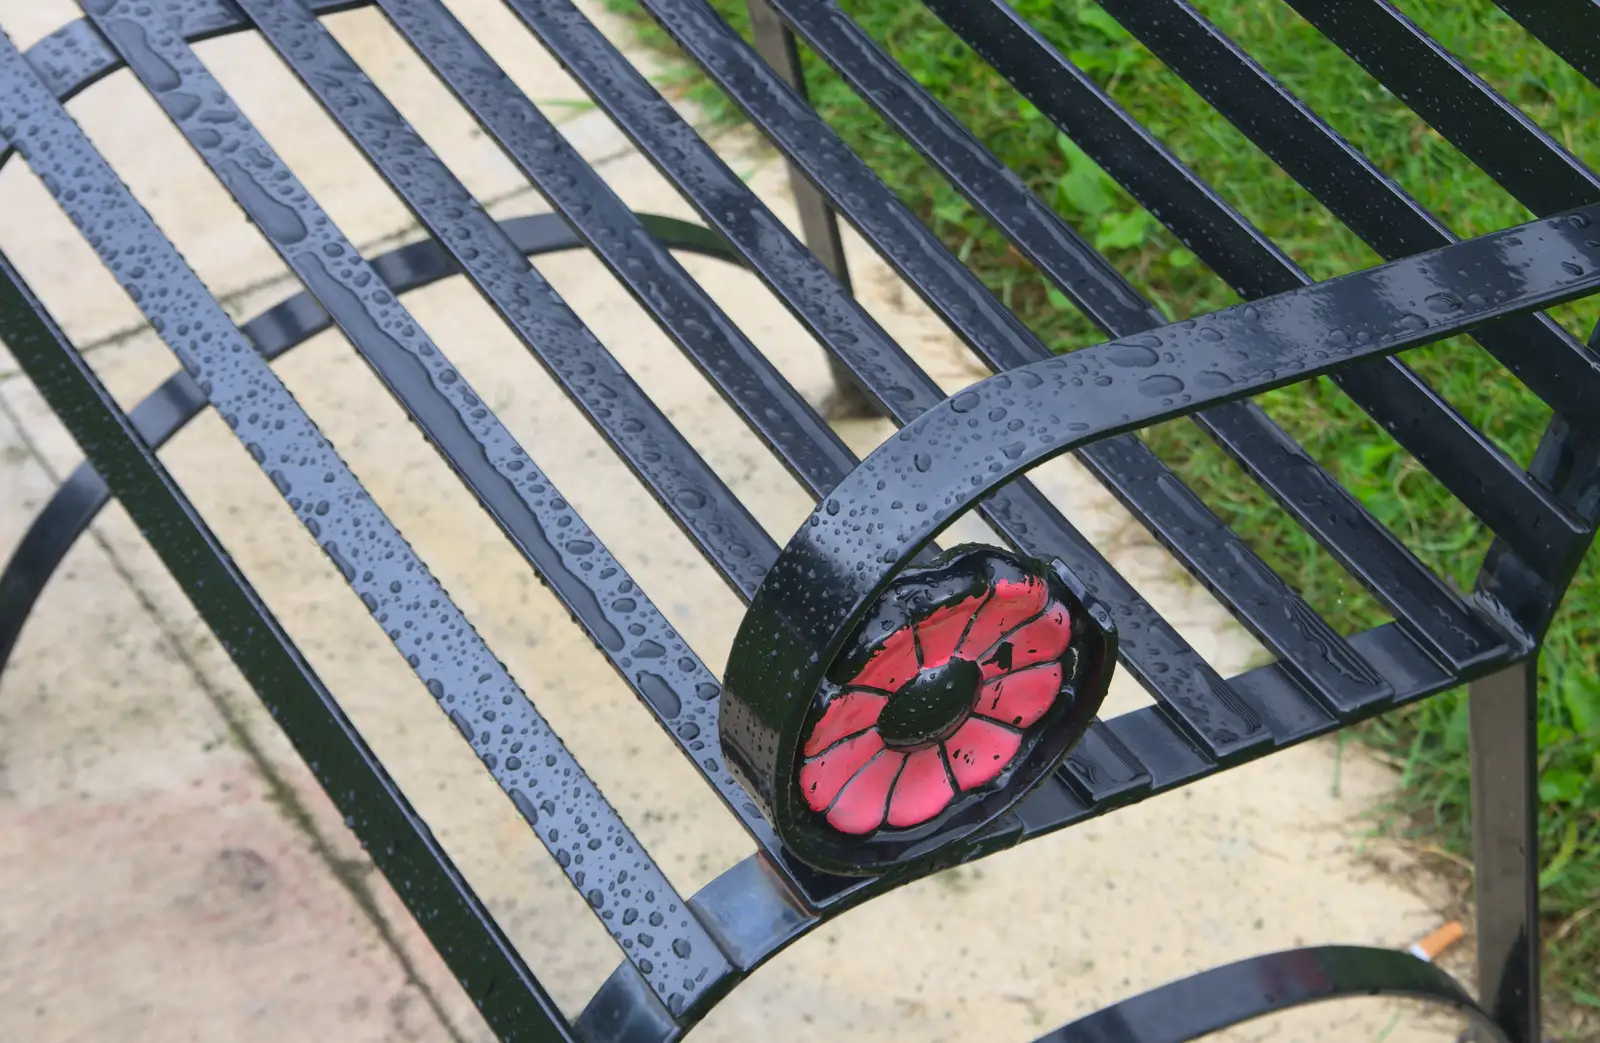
(931, 705)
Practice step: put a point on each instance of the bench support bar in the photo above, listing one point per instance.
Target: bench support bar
(819, 225)
(1504, 719)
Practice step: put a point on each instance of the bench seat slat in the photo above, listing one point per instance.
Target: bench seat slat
(1223, 724)
(652, 658)
(456, 665)
(1422, 603)
(685, 485)
(737, 368)
(399, 842)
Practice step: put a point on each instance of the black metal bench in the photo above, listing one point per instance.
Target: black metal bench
(889, 710)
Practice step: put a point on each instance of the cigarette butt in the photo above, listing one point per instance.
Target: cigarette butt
(1438, 941)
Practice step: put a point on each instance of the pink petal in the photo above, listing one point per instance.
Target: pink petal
(893, 665)
(847, 714)
(1040, 641)
(1011, 603)
(823, 778)
(979, 751)
(1020, 698)
(941, 632)
(860, 807)
(923, 790)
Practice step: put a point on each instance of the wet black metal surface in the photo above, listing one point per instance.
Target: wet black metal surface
(394, 835)
(837, 564)
(1273, 612)
(1213, 1000)
(1438, 86)
(1214, 716)
(527, 759)
(683, 698)
(1571, 28)
(747, 379)
(1553, 365)
(952, 455)
(619, 409)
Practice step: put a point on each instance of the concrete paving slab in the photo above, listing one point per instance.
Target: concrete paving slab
(158, 885)
(1257, 859)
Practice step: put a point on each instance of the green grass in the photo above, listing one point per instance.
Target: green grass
(1428, 741)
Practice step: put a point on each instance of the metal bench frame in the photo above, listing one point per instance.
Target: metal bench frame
(806, 597)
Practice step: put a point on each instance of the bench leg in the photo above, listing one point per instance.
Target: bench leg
(1504, 716)
(818, 223)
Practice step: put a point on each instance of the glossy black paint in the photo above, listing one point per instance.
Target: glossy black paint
(393, 834)
(1571, 28)
(1504, 719)
(841, 560)
(1374, 206)
(1216, 999)
(1495, 134)
(1254, 266)
(1212, 714)
(1273, 612)
(528, 760)
(1543, 517)
(279, 329)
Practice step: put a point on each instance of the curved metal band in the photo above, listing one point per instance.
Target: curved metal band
(917, 483)
(1213, 1000)
(286, 325)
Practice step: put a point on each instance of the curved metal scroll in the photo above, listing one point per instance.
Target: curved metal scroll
(834, 572)
(1213, 1000)
(286, 325)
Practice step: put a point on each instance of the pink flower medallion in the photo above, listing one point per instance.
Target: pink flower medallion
(974, 664)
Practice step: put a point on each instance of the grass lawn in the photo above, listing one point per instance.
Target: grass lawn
(1429, 741)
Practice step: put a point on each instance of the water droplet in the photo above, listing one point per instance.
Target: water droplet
(660, 694)
(523, 804)
(1160, 385)
(964, 402)
(1131, 355)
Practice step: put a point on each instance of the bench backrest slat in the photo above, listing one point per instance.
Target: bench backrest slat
(1554, 365)
(1496, 135)
(1570, 28)
(1254, 266)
